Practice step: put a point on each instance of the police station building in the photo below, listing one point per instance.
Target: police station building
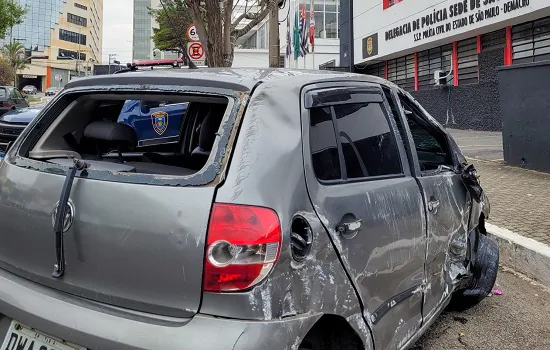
(409, 42)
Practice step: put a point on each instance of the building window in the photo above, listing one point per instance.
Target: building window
(531, 41)
(326, 17)
(401, 72)
(377, 69)
(429, 61)
(76, 4)
(262, 36)
(282, 61)
(468, 72)
(493, 40)
(74, 19)
(72, 54)
(72, 37)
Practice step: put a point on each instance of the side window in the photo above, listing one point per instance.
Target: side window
(357, 134)
(16, 94)
(431, 145)
(368, 145)
(324, 150)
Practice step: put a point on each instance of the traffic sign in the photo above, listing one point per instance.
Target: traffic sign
(192, 34)
(195, 51)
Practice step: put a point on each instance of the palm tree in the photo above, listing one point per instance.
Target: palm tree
(15, 54)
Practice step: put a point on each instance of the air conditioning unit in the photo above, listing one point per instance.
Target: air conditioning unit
(440, 78)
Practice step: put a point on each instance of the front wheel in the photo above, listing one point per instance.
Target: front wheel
(484, 276)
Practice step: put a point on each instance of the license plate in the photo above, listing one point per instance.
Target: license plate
(22, 337)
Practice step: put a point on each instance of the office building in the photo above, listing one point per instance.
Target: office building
(143, 45)
(464, 42)
(68, 32)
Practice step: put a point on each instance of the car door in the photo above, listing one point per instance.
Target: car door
(361, 186)
(153, 130)
(447, 203)
(18, 99)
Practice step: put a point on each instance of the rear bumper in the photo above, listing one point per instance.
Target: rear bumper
(99, 326)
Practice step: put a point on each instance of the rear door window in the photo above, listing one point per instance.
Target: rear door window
(351, 141)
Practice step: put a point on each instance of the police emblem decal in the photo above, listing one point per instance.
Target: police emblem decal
(160, 122)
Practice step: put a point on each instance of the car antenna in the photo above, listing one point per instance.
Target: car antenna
(190, 64)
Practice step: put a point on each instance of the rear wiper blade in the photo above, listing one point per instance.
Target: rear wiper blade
(59, 267)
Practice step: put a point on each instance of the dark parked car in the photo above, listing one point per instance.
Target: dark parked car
(52, 91)
(135, 113)
(10, 99)
(297, 210)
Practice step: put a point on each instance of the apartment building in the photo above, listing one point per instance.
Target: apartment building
(68, 32)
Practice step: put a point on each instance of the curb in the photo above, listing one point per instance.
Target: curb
(522, 254)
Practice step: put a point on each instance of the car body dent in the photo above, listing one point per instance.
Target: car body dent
(272, 130)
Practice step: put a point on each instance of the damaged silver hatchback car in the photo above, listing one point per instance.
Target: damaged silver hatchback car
(295, 210)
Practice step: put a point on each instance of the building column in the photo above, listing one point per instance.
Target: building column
(455, 63)
(508, 47)
(416, 71)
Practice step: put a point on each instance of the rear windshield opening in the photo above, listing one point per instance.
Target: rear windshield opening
(152, 134)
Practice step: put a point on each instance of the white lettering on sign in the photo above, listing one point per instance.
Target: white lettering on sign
(416, 24)
(459, 15)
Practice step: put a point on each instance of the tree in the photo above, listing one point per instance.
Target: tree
(164, 37)
(11, 13)
(14, 53)
(6, 72)
(218, 24)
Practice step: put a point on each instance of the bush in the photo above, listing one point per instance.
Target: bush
(6, 72)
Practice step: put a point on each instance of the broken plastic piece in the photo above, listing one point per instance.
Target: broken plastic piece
(497, 292)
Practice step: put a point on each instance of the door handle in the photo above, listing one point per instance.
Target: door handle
(433, 204)
(349, 226)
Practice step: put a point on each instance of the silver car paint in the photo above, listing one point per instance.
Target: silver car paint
(267, 168)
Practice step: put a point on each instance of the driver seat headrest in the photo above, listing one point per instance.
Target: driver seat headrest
(112, 133)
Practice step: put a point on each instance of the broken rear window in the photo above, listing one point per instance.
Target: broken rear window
(157, 135)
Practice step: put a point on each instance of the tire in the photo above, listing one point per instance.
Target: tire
(484, 275)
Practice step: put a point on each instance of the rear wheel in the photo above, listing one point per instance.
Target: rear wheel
(484, 276)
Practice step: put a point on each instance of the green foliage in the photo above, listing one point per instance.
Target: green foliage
(14, 53)
(11, 13)
(7, 72)
(172, 25)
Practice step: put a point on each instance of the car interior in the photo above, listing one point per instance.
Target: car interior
(88, 129)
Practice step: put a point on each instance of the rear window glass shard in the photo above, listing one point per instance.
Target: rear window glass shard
(155, 135)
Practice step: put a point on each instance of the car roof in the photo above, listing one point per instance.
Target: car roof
(239, 79)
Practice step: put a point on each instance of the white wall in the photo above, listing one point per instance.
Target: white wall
(253, 58)
(371, 18)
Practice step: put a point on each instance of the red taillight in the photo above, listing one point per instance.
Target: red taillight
(6, 105)
(242, 247)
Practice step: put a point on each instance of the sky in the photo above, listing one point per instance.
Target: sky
(117, 30)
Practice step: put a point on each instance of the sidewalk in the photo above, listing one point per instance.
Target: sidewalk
(520, 198)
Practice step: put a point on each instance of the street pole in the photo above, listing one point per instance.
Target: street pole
(274, 50)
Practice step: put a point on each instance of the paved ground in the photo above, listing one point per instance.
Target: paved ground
(519, 198)
(518, 319)
(485, 145)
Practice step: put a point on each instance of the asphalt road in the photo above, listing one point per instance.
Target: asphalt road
(484, 145)
(517, 319)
